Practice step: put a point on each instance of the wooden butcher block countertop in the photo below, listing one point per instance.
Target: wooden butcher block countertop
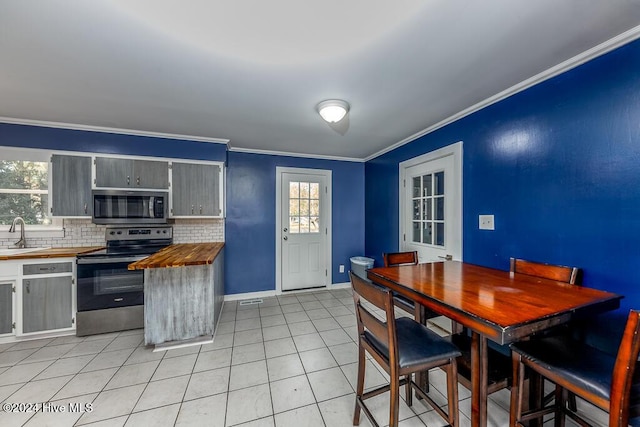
(53, 253)
(180, 255)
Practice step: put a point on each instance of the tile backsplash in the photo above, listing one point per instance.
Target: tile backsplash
(82, 232)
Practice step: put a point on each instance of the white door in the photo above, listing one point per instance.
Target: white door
(431, 205)
(303, 234)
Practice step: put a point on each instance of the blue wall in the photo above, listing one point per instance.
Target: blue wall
(250, 233)
(102, 142)
(559, 167)
(250, 222)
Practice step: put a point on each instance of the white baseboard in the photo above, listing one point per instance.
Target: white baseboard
(340, 285)
(249, 295)
(265, 294)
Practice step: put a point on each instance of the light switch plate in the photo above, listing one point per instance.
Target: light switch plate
(486, 222)
(341, 268)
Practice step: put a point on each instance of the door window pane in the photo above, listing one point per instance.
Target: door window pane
(294, 190)
(304, 207)
(314, 188)
(294, 224)
(416, 235)
(416, 187)
(427, 233)
(426, 185)
(427, 207)
(439, 208)
(439, 241)
(439, 183)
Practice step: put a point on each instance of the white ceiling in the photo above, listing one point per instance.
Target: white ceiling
(253, 71)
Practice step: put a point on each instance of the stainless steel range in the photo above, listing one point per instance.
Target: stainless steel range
(109, 296)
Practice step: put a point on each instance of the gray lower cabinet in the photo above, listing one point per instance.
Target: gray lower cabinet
(71, 186)
(6, 308)
(46, 303)
(131, 173)
(195, 189)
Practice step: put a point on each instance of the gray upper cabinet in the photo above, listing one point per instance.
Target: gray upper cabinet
(71, 186)
(46, 304)
(6, 308)
(131, 173)
(195, 190)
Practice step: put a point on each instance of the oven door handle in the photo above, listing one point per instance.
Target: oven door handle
(110, 260)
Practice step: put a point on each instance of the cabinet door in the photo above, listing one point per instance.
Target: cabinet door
(71, 186)
(183, 188)
(208, 197)
(6, 308)
(195, 189)
(116, 173)
(46, 304)
(151, 174)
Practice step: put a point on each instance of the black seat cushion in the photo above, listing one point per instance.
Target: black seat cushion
(578, 363)
(417, 345)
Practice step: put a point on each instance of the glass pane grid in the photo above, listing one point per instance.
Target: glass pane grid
(304, 207)
(428, 209)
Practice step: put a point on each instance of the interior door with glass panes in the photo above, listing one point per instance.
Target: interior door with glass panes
(303, 231)
(432, 221)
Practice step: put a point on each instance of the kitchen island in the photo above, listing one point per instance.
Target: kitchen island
(183, 292)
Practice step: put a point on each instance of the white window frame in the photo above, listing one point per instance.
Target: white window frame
(55, 229)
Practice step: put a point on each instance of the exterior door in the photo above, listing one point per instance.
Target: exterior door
(431, 210)
(303, 230)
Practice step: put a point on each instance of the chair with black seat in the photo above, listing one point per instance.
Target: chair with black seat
(401, 347)
(608, 382)
(392, 259)
(499, 356)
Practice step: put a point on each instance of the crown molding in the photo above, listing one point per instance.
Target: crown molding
(89, 128)
(586, 56)
(289, 154)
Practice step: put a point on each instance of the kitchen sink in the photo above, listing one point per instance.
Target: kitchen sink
(16, 251)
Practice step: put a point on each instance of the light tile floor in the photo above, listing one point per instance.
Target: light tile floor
(287, 362)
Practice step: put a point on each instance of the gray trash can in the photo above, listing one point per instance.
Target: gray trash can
(360, 265)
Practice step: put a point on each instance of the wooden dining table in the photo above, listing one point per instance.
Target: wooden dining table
(494, 305)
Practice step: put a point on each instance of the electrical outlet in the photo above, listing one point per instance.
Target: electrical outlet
(341, 268)
(486, 222)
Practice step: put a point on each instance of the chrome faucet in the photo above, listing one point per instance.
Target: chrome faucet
(22, 242)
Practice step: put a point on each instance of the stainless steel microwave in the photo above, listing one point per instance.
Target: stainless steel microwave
(129, 207)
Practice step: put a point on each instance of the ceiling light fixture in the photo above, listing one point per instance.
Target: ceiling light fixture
(333, 110)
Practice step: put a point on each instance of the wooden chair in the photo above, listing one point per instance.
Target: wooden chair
(392, 259)
(602, 379)
(499, 357)
(402, 347)
(571, 275)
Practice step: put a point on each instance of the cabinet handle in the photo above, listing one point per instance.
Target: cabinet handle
(200, 209)
(192, 208)
(85, 208)
(128, 180)
(27, 286)
(138, 180)
(53, 268)
(118, 299)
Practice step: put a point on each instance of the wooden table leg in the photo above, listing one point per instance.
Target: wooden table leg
(479, 372)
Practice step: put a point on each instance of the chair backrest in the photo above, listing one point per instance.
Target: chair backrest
(623, 371)
(382, 298)
(400, 258)
(571, 275)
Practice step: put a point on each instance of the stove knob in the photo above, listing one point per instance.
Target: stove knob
(164, 231)
(112, 232)
(119, 232)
